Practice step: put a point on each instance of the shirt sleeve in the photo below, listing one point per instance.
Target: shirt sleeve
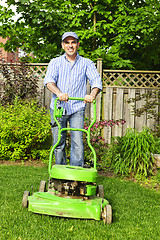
(52, 73)
(93, 76)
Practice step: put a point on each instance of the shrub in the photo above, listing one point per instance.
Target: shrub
(157, 145)
(24, 131)
(19, 82)
(132, 153)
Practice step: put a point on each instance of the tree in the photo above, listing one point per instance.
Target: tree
(38, 29)
(124, 33)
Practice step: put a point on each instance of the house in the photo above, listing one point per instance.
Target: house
(8, 57)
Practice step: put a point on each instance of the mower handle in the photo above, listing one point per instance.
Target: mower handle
(73, 129)
(75, 98)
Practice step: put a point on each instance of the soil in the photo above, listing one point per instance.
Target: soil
(34, 163)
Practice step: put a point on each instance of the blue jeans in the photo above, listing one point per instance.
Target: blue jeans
(76, 120)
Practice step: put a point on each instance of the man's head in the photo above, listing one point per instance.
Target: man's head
(70, 34)
(70, 43)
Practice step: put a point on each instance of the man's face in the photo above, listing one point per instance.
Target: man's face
(70, 45)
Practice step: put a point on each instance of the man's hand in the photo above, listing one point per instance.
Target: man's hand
(62, 96)
(53, 88)
(92, 96)
(88, 98)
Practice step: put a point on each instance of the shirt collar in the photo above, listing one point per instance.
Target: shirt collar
(77, 57)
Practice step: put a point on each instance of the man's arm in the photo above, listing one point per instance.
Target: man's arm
(54, 89)
(92, 95)
(94, 80)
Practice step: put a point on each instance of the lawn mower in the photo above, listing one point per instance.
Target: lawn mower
(72, 191)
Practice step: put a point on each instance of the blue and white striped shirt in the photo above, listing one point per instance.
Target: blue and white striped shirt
(72, 79)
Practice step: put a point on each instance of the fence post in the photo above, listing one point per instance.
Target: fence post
(98, 99)
(99, 66)
(99, 69)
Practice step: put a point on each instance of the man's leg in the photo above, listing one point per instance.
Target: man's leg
(76, 120)
(59, 152)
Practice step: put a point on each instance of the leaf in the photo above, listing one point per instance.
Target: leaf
(71, 229)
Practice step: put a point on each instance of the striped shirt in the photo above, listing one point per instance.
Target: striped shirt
(72, 79)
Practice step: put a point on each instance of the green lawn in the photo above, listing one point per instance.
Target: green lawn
(136, 211)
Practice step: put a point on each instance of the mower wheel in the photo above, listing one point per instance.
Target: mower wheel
(100, 191)
(42, 186)
(25, 199)
(107, 214)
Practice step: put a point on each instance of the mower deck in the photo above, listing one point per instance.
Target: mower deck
(50, 204)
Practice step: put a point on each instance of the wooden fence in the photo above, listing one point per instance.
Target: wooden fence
(118, 87)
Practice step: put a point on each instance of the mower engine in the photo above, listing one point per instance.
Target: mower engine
(73, 188)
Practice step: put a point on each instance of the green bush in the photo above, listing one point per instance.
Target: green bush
(157, 145)
(24, 131)
(131, 154)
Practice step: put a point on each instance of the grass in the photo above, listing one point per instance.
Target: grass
(136, 211)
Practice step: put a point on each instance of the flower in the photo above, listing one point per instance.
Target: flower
(99, 137)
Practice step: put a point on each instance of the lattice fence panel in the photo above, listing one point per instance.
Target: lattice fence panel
(38, 70)
(146, 79)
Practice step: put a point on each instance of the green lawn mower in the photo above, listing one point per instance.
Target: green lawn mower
(72, 191)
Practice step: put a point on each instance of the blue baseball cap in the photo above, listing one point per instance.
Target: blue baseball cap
(69, 34)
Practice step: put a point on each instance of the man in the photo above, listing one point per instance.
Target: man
(67, 77)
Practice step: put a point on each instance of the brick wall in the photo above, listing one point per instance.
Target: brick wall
(7, 56)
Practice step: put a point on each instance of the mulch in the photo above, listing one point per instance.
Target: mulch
(34, 163)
